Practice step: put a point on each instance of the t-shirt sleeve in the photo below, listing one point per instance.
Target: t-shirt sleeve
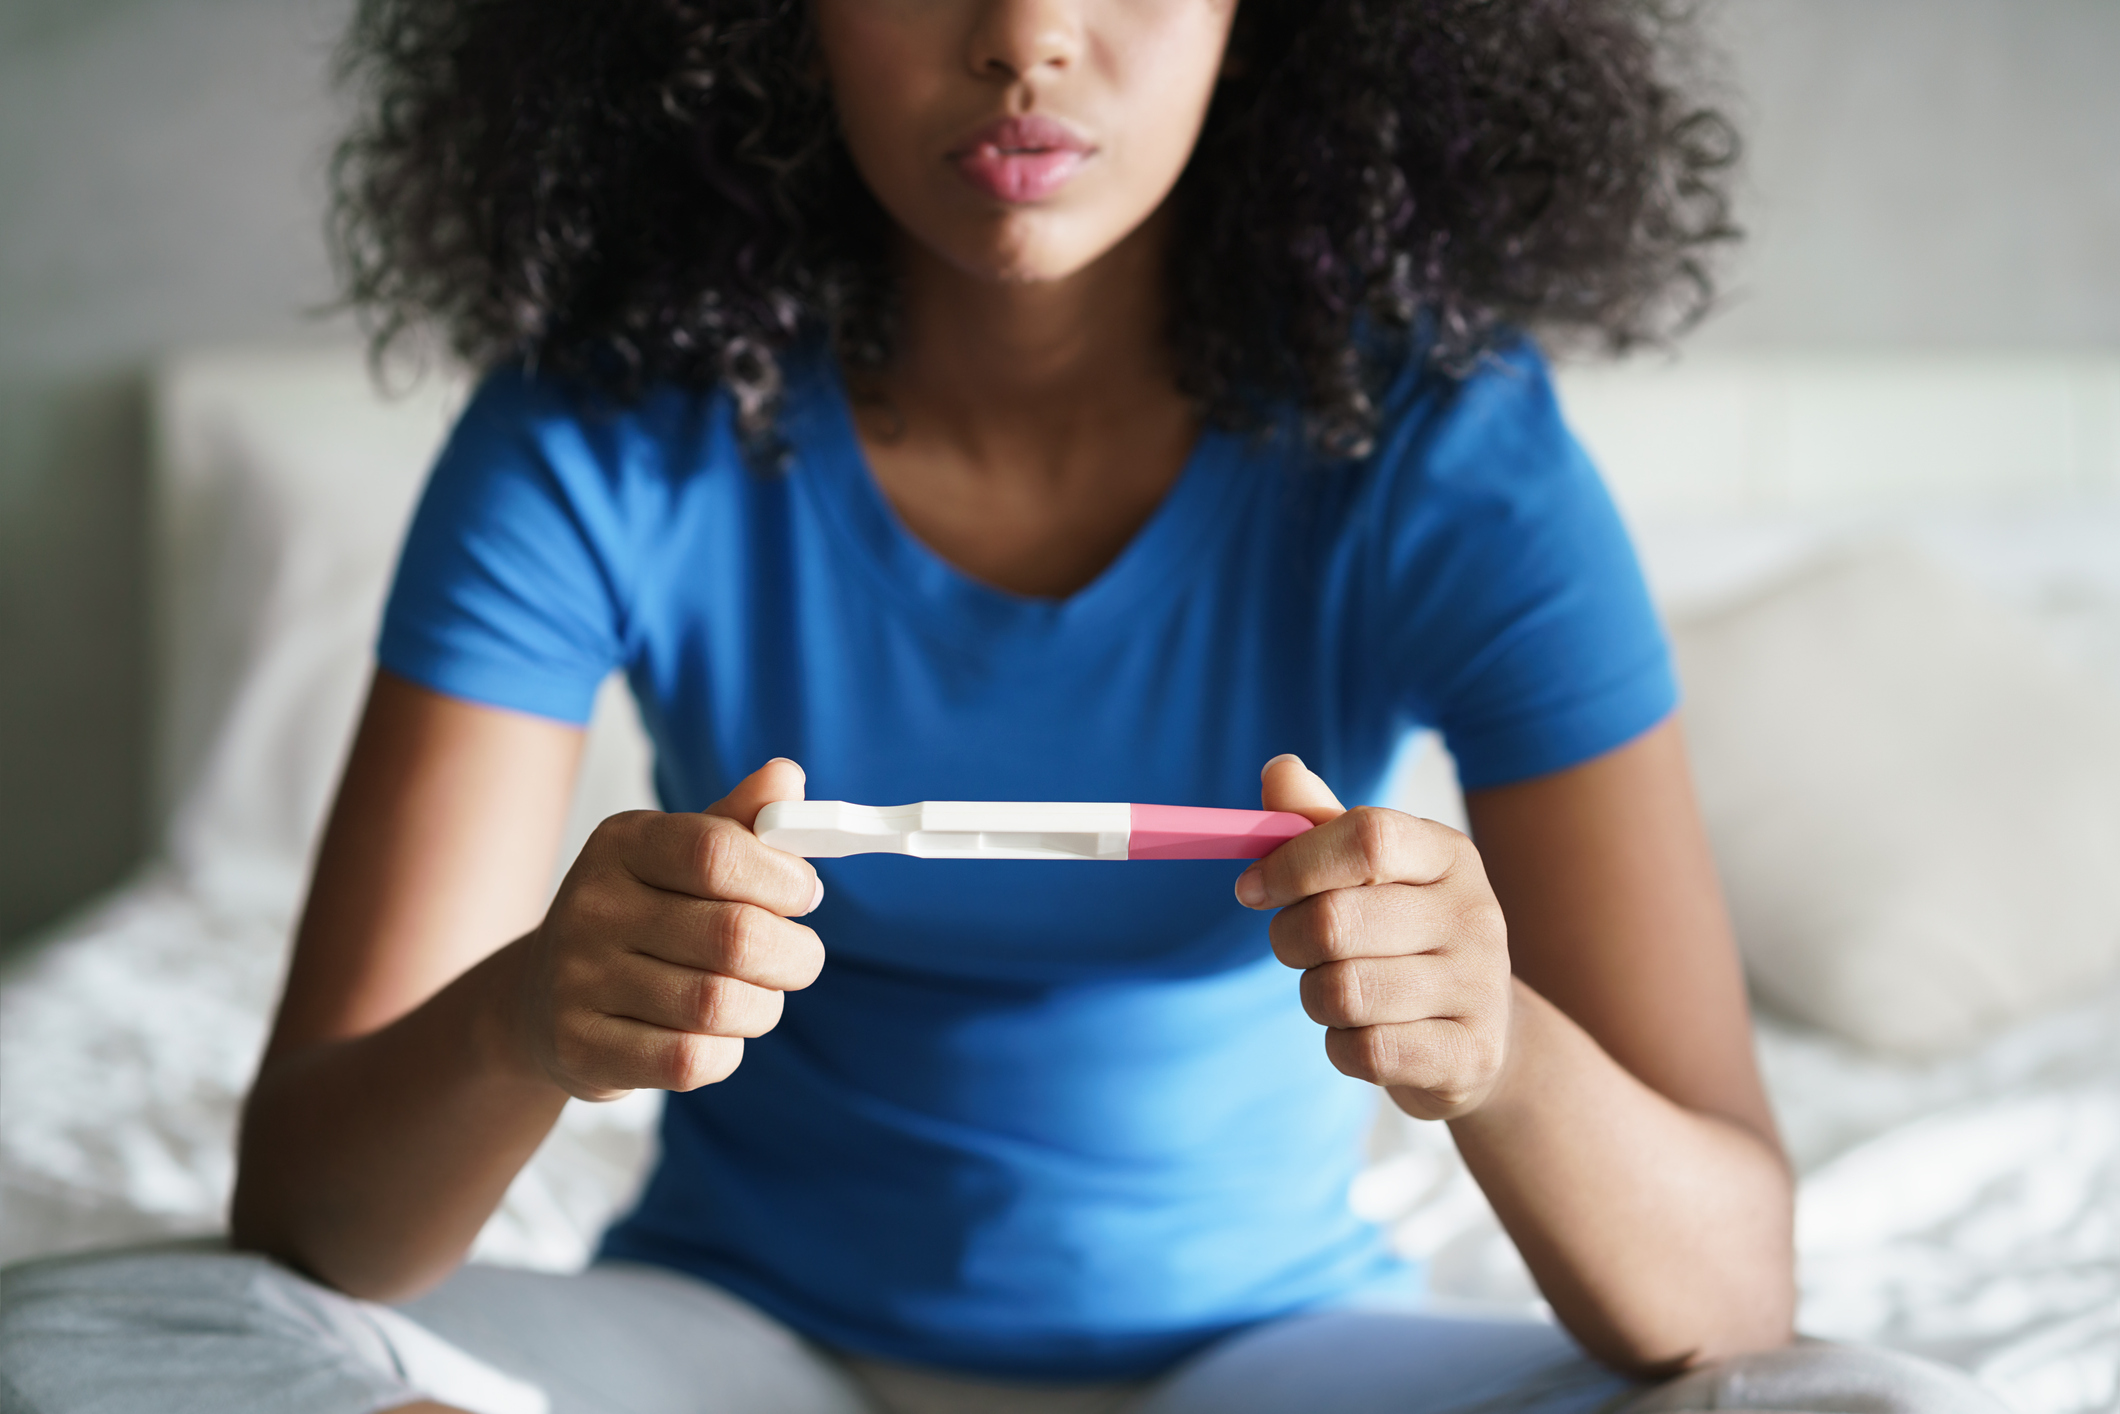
(508, 590)
(1519, 624)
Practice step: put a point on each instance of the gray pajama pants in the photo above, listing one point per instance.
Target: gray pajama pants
(196, 1329)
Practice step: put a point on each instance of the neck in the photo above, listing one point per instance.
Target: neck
(1025, 432)
(1004, 369)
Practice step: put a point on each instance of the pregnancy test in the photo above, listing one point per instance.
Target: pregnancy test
(1023, 829)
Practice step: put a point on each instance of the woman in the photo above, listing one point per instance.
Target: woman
(1007, 399)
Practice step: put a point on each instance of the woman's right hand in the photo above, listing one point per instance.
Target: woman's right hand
(671, 940)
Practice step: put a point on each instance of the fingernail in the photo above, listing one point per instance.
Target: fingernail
(815, 899)
(1251, 888)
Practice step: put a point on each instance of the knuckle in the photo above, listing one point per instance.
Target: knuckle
(1449, 1099)
(737, 939)
(611, 834)
(1458, 1063)
(1490, 1047)
(575, 1046)
(595, 908)
(1455, 1091)
(1332, 994)
(1419, 1103)
(1480, 922)
(1381, 1051)
(1465, 862)
(1286, 873)
(693, 1061)
(1459, 1068)
(729, 1008)
(1336, 925)
(1375, 835)
(677, 1066)
(574, 975)
(1364, 1053)
(616, 838)
(626, 824)
(709, 1007)
(719, 857)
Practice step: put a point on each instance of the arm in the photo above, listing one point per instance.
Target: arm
(1604, 1095)
(1677, 1243)
(433, 1025)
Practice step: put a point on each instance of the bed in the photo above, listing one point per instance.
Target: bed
(1951, 1097)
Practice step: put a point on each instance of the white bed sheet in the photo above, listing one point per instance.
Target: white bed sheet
(1968, 1208)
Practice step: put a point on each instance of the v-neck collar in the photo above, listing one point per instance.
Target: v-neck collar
(828, 459)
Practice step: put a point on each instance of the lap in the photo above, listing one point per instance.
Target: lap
(1414, 1362)
(1813, 1375)
(183, 1331)
(635, 1339)
(178, 1330)
(204, 1329)
(1391, 1362)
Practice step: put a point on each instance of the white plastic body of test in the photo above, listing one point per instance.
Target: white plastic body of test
(949, 829)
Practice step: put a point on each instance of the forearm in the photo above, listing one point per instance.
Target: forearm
(372, 1162)
(1662, 1236)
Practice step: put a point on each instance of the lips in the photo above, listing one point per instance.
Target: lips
(1019, 160)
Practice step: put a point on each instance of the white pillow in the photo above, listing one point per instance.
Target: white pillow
(1915, 807)
(284, 479)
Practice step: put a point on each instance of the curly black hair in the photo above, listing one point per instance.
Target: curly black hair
(642, 191)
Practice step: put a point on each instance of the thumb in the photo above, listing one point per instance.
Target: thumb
(1288, 784)
(778, 779)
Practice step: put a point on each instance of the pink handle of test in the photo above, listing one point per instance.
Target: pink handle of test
(1203, 832)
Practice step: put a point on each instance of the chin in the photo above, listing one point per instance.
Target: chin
(1017, 250)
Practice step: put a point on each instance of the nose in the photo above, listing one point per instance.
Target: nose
(1014, 40)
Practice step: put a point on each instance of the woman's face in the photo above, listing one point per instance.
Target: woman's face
(1021, 139)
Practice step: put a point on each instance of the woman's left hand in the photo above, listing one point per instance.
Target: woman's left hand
(1401, 943)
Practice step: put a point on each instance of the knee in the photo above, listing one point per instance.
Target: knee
(1830, 1379)
(140, 1328)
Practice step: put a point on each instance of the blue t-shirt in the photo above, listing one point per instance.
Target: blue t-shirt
(1035, 1119)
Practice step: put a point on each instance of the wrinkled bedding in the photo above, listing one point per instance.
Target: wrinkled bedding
(128, 1038)
(1968, 1209)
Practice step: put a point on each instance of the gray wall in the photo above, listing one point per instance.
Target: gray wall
(1926, 172)
(159, 179)
(1941, 173)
